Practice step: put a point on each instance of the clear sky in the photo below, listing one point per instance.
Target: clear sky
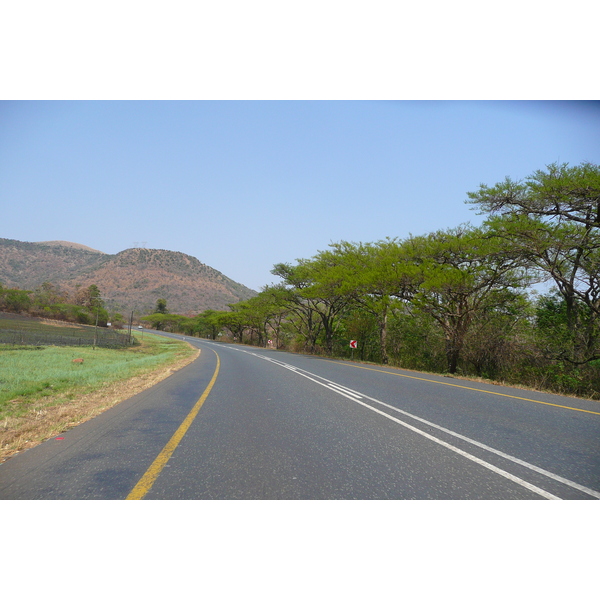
(242, 185)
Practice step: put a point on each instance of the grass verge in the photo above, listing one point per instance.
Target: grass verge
(43, 393)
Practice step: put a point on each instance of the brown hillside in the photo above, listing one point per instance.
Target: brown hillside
(130, 280)
(27, 265)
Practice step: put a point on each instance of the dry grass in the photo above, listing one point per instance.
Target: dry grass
(51, 415)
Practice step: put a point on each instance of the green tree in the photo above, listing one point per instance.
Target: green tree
(14, 300)
(48, 294)
(117, 320)
(568, 254)
(164, 322)
(254, 314)
(556, 336)
(90, 297)
(207, 323)
(371, 277)
(303, 316)
(461, 273)
(161, 306)
(263, 314)
(552, 219)
(315, 295)
(560, 193)
(274, 298)
(233, 320)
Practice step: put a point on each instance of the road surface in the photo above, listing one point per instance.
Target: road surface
(251, 423)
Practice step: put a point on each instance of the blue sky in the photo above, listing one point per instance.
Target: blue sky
(242, 185)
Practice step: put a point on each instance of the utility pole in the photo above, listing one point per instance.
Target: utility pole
(130, 326)
(96, 327)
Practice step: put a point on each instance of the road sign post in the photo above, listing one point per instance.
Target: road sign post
(353, 344)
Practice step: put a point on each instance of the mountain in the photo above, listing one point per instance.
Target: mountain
(27, 265)
(133, 279)
(69, 245)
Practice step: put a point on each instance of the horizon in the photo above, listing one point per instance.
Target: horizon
(243, 185)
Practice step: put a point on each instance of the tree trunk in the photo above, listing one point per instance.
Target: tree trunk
(455, 337)
(383, 338)
(452, 355)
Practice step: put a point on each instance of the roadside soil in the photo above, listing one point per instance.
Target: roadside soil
(52, 415)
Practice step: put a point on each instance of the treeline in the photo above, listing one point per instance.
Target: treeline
(453, 301)
(85, 306)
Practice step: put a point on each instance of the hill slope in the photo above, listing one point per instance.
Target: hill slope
(70, 245)
(132, 279)
(27, 265)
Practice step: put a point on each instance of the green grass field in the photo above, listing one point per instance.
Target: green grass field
(29, 373)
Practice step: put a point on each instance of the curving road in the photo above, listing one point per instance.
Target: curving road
(250, 423)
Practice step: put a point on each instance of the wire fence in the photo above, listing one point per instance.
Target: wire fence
(104, 338)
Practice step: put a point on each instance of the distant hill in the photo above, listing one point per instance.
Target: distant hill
(68, 245)
(131, 280)
(27, 265)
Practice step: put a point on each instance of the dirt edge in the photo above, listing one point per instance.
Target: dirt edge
(47, 419)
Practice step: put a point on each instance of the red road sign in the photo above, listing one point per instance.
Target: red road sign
(353, 343)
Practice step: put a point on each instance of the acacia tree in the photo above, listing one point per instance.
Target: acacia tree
(254, 314)
(569, 255)
(459, 274)
(314, 288)
(552, 219)
(273, 300)
(207, 323)
(560, 193)
(233, 320)
(371, 277)
(303, 315)
(162, 322)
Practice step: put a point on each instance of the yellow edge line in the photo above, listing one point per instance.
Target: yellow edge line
(147, 481)
(473, 389)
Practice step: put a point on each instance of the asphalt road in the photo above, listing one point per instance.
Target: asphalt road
(249, 423)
